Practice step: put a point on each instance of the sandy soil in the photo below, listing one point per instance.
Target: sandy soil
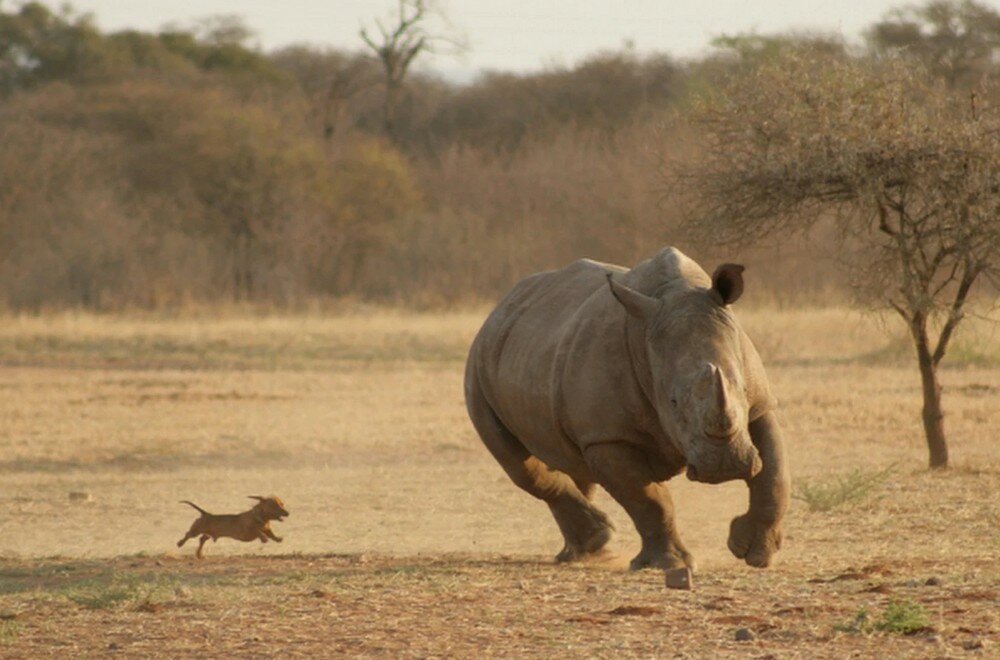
(406, 538)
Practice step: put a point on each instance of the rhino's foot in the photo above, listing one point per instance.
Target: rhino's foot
(578, 553)
(672, 557)
(587, 537)
(752, 541)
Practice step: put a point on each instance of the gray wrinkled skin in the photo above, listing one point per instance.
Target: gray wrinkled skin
(596, 375)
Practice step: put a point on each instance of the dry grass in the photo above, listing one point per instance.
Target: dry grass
(357, 421)
(491, 605)
(245, 340)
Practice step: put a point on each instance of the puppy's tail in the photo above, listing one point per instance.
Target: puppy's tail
(196, 506)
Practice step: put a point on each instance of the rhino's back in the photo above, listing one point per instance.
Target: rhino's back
(539, 309)
(517, 355)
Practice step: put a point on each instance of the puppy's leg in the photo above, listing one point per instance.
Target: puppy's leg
(262, 536)
(189, 535)
(270, 534)
(204, 537)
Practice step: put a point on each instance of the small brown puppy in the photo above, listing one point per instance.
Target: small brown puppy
(247, 526)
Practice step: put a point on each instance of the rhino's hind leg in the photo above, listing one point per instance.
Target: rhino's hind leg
(585, 528)
(625, 473)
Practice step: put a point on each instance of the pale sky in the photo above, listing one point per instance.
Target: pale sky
(515, 35)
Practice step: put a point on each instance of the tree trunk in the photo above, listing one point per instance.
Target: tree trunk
(932, 413)
(242, 265)
(389, 107)
(236, 270)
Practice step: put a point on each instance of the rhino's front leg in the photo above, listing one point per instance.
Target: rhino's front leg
(623, 470)
(756, 535)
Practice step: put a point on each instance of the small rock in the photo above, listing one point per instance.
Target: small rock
(935, 638)
(593, 589)
(745, 635)
(80, 496)
(974, 644)
(182, 592)
(911, 583)
(679, 578)
(934, 582)
(113, 646)
(8, 616)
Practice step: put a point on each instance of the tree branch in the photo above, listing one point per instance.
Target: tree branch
(901, 310)
(883, 220)
(406, 23)
(368, 40)
(411, 53)
(955, 314)
(947, 280)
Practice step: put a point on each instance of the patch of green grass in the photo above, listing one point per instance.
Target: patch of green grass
(9, 631)
(118, 590)
(901, 617)
(904, 617)
(840, 490)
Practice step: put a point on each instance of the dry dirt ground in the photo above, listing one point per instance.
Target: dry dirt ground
(405, 538)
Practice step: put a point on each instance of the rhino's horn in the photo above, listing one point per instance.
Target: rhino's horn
(721, 397)
(720, 421)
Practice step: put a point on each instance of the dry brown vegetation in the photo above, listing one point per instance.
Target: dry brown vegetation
(153, 170)
(405, 538)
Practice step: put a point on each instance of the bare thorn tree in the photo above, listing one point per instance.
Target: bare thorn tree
(910, 172)
(399, 44)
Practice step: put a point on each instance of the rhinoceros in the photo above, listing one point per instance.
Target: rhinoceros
(595, 374)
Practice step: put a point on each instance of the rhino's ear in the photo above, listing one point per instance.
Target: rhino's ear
(727, 283)
(637, 304)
